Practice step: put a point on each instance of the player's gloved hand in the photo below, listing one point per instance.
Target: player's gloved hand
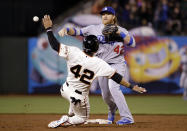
(109, 29)
(139, 89)
(111, 33)
(47, 22)
(63, 32)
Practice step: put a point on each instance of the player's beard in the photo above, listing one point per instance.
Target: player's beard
(107, 21)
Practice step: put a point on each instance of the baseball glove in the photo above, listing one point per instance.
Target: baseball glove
(109, 31)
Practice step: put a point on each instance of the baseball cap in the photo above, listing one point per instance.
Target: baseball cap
(108, 9)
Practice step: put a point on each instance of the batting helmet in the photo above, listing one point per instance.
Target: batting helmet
(90, 44)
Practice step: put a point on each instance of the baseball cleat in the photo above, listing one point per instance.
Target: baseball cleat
(57, 123)
(124, 122)
(109, 122)
(54, 124)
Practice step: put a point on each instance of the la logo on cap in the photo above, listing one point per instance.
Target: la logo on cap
(105, 8)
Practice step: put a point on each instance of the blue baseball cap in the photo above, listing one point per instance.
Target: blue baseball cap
(108, 9)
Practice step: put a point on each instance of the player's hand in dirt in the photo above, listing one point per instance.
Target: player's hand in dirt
(47, 22)
(139, 89)
(63, 32)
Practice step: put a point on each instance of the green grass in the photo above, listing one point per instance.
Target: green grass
(56, 104)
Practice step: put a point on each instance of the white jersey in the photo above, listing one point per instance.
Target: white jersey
(83, 69)
(112, 52)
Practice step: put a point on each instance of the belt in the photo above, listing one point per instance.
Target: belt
(117, 63)
(78, 92)
(67, 84)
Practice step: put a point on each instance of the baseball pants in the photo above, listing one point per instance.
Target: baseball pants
(183, 84)
(112, 94)
(79, 109)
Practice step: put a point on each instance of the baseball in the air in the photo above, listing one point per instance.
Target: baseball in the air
(35, 19)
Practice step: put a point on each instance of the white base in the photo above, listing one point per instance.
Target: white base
(98, 121)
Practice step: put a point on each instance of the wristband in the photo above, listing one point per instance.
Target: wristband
(123, 35)
(75, 32)
(67, 29)
(130, 42)
(48, 29)
(81, 34)
(131, 86)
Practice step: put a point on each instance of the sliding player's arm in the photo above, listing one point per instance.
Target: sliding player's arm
(47, 23)
(63, 50)
(121, 80)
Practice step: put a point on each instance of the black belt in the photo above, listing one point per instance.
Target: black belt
(78, 92)
(67, 84)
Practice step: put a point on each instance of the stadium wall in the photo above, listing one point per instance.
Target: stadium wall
(20, 73)
(13, 67)
(155, 64)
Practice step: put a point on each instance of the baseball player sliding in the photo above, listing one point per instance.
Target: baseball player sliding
(83, 68)
(112, 39)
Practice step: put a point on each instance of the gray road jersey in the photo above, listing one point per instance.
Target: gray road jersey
(184, 63)
(111, 52)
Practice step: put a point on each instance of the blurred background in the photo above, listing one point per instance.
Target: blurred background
(30, 66)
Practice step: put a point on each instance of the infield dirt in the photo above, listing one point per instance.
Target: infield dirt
(39, 122)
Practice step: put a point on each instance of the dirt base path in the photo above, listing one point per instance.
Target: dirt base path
(38, 122)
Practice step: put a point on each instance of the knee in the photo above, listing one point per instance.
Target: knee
(106, 96)
(70, 114)
(77, 120)
(82, 119)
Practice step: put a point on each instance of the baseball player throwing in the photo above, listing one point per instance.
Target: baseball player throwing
(111, 46)
(83, 68)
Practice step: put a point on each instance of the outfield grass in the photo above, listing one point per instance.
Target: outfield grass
(56, 104)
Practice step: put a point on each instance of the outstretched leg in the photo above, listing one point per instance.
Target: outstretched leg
(118, 96)
(66, 121)
(79, 106)
(107, 97)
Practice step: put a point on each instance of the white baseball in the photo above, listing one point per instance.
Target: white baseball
(35, 19)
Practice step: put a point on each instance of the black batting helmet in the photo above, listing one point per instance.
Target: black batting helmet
(90, 44)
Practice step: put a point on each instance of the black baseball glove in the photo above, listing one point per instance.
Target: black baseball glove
(109, 31)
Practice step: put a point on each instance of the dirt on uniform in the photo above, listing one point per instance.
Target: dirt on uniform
(39, 122)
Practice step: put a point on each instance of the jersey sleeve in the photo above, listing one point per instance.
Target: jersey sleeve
(105, 69)
(132, 42)
(64, 51)
(124, 30)
(87, 30)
